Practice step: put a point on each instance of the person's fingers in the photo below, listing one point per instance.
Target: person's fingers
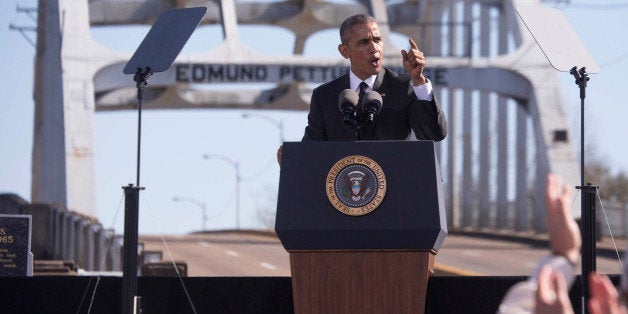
(551, 293)
(544, 291)
(407, 60)
(565, 194)
(559, 283)
(561, 289)
(564, 233)
(595, 307)
(404, 54)
(412, 53)
(279, 154)
(413, 45)
(554, 193)
(603, 295)
(602, 287)
(553, 187)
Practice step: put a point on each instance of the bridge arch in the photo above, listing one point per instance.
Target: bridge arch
(502, 98)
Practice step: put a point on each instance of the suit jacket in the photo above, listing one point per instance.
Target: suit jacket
(401, 112)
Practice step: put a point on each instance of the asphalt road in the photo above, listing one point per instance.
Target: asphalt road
(261, 254)
(224, 253)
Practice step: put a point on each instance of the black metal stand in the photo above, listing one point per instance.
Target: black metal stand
(166, 37)
(587, 200)
(141, 80)
(130, 302)
(563, 50)
(582, 77)
(588, 237)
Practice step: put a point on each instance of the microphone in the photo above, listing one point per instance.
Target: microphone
(372, 105)
(347, 103)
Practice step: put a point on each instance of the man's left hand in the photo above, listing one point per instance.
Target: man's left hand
(414, 62)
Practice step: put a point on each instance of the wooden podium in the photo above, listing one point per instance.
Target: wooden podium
(378, 262)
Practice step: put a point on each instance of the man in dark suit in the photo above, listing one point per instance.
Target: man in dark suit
(407, 100)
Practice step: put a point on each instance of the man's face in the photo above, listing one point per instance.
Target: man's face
(364, 49)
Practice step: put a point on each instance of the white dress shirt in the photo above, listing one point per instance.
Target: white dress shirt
(422, 92)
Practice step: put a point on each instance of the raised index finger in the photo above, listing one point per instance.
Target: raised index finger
(412, 44)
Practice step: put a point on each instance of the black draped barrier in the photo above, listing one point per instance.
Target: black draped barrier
(228, 295)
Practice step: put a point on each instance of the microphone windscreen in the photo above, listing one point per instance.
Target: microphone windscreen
(348, 97)
(373, 99)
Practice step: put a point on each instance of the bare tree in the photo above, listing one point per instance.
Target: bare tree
(266, 205)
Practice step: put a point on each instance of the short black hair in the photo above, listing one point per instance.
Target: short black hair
(345, 28)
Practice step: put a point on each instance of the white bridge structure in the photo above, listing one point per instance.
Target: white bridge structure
(507, 119)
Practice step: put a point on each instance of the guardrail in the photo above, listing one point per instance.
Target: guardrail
(60, 234)
(61, 238)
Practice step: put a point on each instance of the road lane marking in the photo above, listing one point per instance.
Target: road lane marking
(268, 266)
(472, 253)
(233, 253)
(455, 270)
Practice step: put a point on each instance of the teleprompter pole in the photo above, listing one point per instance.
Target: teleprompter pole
(588, 239)
(130, 302)
(155, 54)
(566, 53)
(141, 80)
(587, 199)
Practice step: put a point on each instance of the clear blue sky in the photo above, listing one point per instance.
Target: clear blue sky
(175, 141)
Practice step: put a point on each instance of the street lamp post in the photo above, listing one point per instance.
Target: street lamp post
(277, 123)
(198, 203)
(236, 167)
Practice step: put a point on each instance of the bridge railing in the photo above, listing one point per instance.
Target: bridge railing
(61, 234)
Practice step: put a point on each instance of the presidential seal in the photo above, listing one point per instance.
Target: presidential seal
(356, 185)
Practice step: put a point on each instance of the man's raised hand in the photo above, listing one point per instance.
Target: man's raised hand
(414, 63)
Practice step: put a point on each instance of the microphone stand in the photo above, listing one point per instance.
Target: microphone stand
(360, 122)
(357, 126)
(351, 119)
(587, 204)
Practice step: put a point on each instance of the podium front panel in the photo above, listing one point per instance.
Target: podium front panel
(411, 215)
